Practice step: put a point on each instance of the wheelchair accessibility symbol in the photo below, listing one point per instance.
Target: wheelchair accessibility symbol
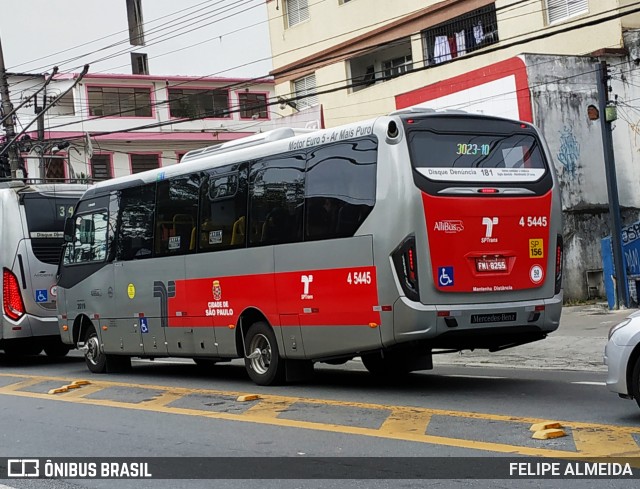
(445, 276)
(144, 326)
(42, 295)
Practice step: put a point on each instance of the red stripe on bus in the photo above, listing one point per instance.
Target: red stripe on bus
(335, 297)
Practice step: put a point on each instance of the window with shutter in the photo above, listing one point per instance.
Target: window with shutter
(142, 162)
(297, 11)
(558, 10)
(305, 91)
(101, 167)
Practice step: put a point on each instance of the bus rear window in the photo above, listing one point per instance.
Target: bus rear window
(46, 215)
(477, 158)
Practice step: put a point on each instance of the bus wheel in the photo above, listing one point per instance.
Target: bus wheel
(263, 362)
(635, 382)
(95, 359)
(57, 349)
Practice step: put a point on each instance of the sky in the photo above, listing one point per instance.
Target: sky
(227, 38)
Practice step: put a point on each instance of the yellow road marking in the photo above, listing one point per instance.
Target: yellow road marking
(85, 391)
(606, 443)
(22, 384)
(268, 408)
(163, 399)
(403, 423)
(406, 420)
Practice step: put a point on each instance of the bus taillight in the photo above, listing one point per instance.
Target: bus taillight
(559, 251)
(404, 259)
(11, 296)
(412, 264)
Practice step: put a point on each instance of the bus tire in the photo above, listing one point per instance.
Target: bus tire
(262, 361)
(94, 357)
(57, 349)
(635, 382)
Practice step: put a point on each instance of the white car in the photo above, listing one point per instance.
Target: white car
(622, 357)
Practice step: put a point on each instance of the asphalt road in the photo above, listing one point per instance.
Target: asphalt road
(471, 407)
(174, 409)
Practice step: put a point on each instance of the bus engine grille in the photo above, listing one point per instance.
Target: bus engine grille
(47, 250)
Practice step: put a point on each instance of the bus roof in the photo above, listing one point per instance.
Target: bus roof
(259, 145)
(248, 148)
(20, 187)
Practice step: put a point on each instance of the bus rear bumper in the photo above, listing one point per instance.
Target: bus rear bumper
(492, 326)
(30, 326)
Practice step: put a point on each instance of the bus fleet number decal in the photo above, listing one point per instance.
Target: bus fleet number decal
(533, 221)
(359, 278)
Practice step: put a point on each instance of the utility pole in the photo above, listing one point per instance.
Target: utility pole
(7, 107)
(42, 172)
(622, 292)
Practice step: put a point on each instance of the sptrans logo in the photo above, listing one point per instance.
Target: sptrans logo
(449, 226)
(488, 223)
(306, 280)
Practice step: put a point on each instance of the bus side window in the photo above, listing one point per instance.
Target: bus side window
(276, 199)
(321, 218)
(135, 232)
(177, 214)
(340, 188)
(349, 219)
(89, 242)
(223, 208)
(276, 226)
(238, 234)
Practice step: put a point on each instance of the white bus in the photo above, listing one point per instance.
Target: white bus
(31, 237)
(389, 239)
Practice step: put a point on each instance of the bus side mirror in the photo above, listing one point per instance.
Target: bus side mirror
(68, 229)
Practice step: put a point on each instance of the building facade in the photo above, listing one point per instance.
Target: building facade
(534, 60)
(158, 83)
(105, 126)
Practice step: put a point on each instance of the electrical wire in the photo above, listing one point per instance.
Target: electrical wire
(386, 21)
(484, 51)
(506, 8)
(127, 38)
(329, 58)
(476, 53)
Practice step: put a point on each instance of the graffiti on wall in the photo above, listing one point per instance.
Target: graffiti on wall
(635, 128)
(569, 153)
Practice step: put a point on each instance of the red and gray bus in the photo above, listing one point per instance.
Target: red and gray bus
(392, 239)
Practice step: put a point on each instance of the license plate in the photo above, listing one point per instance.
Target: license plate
(498, 317)
(491, 264)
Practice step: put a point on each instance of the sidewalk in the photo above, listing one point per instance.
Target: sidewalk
(578, 344)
